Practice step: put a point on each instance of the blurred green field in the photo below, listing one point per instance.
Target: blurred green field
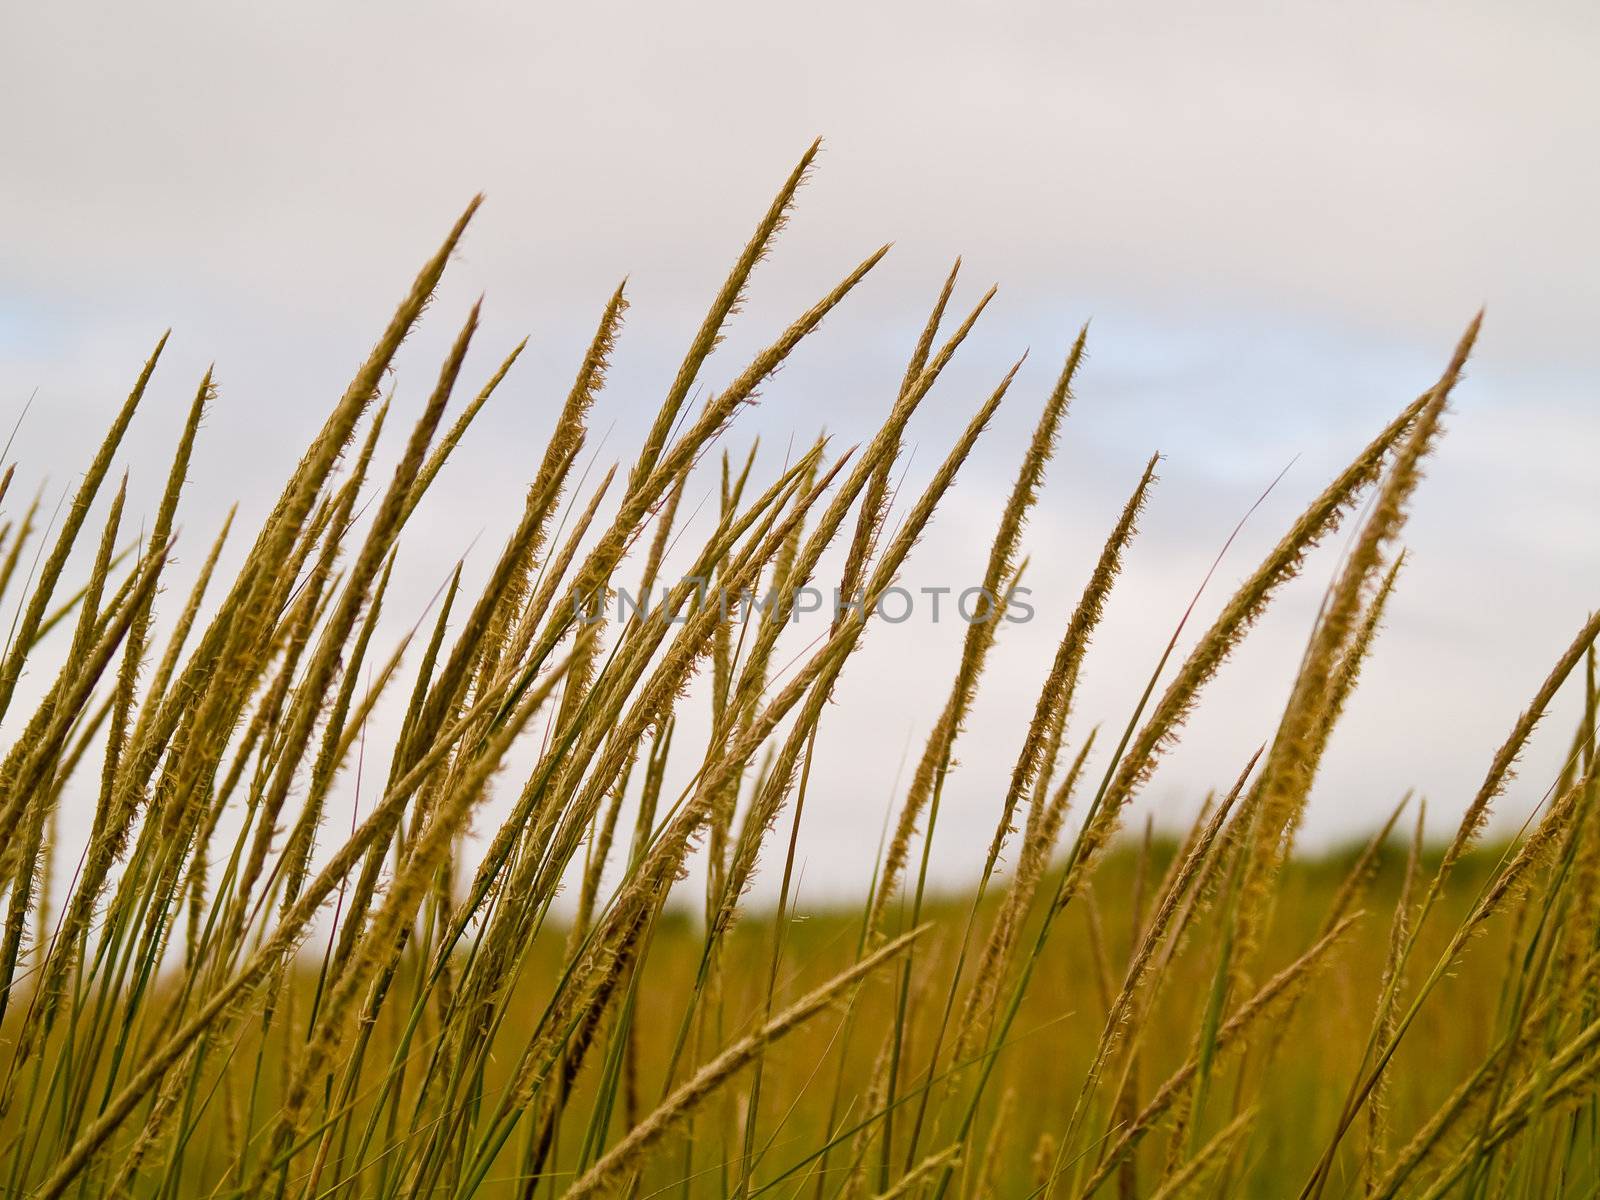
(1313, 1051)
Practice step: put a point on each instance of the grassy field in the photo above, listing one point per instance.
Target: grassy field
(210, 987)
(814, 1073)
(1291, 1067)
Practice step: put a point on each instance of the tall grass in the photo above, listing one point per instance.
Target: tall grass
(217, 992)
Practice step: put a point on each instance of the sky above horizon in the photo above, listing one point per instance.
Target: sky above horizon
(1278, 219)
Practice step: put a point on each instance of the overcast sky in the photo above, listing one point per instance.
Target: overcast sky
(1278, 217)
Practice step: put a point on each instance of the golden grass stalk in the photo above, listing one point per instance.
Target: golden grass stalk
(1271, 995)
(1191, 1177)
(705, 1081)
(981, 634)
